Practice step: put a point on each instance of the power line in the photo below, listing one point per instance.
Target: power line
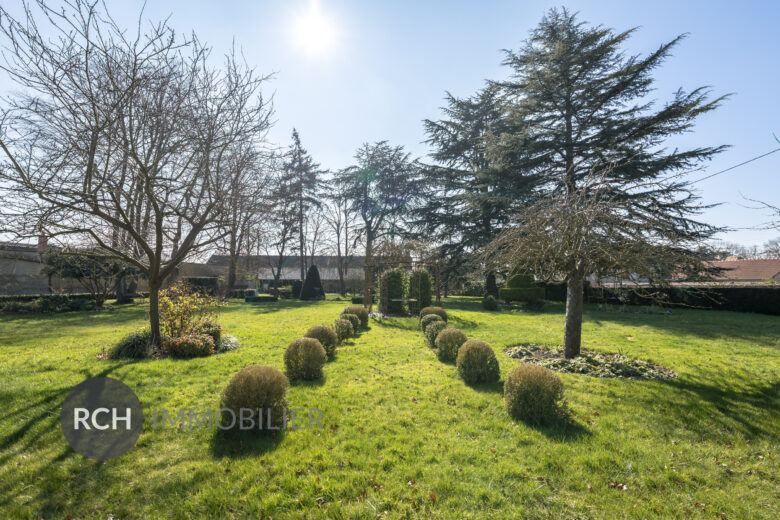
(737, 165)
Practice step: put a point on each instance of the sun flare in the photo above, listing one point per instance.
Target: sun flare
(314, 31)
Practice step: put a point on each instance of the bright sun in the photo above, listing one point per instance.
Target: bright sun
(314, 31)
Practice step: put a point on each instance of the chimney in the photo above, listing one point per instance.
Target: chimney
(43, 243)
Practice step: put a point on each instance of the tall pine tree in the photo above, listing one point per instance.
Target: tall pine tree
(611, 197)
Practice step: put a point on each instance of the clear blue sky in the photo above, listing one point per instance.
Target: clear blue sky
(389, 64)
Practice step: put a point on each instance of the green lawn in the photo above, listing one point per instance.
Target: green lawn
(404, 437)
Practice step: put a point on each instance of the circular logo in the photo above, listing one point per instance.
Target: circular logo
(101, 418)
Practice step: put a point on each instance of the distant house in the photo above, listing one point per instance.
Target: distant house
(263, 267)
(739, 271)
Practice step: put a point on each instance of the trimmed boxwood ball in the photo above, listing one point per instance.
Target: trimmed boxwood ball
(326, 336)
(432, 330)
(428, 319)
(434, 310)
(133, 346)
(477, 363)
(360, 312)
(344, 328)
(533, 394)
(257, 387)
(353, 319)
(304, 359)
(448, 342)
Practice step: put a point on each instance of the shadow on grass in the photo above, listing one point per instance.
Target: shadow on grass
(460, 323)
(238, 445)
(397, 323)
(563, 430)
(497, 387)
(314, 383)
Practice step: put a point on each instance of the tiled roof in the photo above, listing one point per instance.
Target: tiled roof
(758, 269)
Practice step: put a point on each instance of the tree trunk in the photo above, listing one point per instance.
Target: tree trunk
(155, 341)
(491, 287)
(572, 337)
(368, 270)
(231, 280)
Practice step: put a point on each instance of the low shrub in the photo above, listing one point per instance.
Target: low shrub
(52, 302)
(534, 305)
(210, 328)
(489, 303)
(304, 359)
(533, 394)
(263, 390)
(521, 294)
(133, 346)
(353, 320)
(226, 344)
(360, 312)
(326, 336)
(434, 310)
(473, 288)
(428, 319)
(477, 363)
(432, 330)
(189, 346)
(344, 328)
(447, 344)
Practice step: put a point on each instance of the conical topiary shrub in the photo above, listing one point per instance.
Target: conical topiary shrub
(312, 286)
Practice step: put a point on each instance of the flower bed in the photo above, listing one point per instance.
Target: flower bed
(590, 363)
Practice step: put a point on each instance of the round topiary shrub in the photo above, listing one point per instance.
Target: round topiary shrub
(434, 310)
(360, 312)
(304, 358)
(344, 328)
(353, 319)
(261, 389)
(432, 330)
(533, 394)
(477, 363)
(428, 319)
(326, 336)
(448, 343)
(489, 303)
(133, 346)
(189, 346)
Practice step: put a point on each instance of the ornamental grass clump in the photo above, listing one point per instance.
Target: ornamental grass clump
(304, 359)
(262, 392)
(133, 346)
(326, 336)
(448, 343)
(534, 394)
(477, 363)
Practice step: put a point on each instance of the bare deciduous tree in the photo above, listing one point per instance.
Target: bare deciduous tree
(120, 141)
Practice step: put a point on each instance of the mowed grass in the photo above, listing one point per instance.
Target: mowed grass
(404, 437)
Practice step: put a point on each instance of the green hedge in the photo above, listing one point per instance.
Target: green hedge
(420, 294)
(521, 294)
(206, 284)
(392, 291)
(261, 298)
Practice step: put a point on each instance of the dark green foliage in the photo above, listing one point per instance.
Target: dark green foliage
(477, 363)
(96, 270)
(304, 359)
(360, 312)
(344, 328)
(202, 284)
(521, 294)
(434, 310)
(353, 319)
(47, 303)
(133, 346)
(420, 293)
(392, 291)
(535, 305)
(489, 303)
(312, 286)
(432, 331)
(326, 336)
(261, 298)
(295, 288)
(258, 387)
(448, 342)
(520, 280)
(189, 346)
(533, 394)
(428, 319)
(473, 288)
